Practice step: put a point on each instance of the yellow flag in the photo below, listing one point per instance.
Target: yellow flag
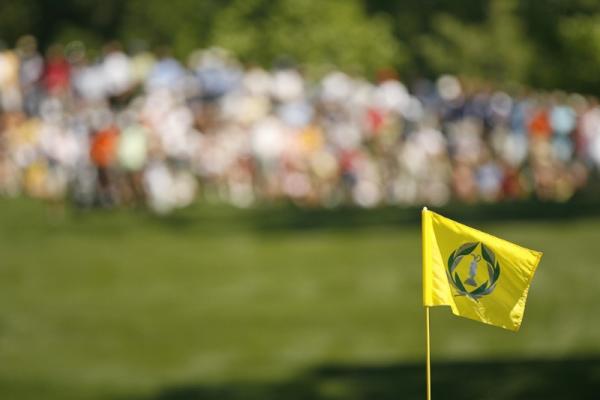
(479, 276)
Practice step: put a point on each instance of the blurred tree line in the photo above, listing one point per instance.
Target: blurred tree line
(545, 44)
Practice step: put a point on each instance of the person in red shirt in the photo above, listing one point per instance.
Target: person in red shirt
(57, 71)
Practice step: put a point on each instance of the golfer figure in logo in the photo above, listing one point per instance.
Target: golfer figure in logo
(473, 270)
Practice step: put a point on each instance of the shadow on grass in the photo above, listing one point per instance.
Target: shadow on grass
(285, 217)
(25, 216)
(525, 379)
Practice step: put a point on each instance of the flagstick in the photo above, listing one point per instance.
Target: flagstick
(428, 353)
(426, 311)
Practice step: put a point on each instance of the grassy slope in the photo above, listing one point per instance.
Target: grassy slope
(120, 305)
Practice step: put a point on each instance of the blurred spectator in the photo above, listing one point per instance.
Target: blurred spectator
(136, 129)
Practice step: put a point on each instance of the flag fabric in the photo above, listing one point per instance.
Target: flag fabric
(479, 276)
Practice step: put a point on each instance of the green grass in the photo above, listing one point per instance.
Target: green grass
(119, 305)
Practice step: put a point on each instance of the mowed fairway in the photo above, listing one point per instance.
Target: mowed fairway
(204, 304)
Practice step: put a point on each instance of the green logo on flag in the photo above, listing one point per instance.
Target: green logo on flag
(493, 269)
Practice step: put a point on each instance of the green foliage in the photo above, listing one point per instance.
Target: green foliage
(494, 49)
(314, 33)
(581, 37)
(528, 42)
(183, 25)
(17, 17)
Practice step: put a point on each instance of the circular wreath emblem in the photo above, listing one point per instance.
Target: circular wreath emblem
(493, 269)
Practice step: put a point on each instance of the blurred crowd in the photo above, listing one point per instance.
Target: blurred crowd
(141, 128)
